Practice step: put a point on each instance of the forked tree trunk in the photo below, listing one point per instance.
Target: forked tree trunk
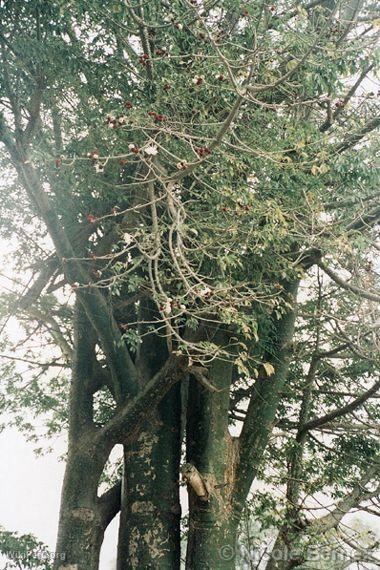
(211, 450)
(149, 533)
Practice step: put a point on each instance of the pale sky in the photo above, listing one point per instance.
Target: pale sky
(30, 493)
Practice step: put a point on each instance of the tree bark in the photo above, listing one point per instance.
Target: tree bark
(211, 451)
(149, 533)
(81, 529)
(81, 524)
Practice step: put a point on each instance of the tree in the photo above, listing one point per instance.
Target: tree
(193, 194)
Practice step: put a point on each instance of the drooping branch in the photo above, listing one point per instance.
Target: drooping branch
(323, 525)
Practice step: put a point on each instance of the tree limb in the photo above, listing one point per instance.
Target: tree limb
(345, 285)
(318, 422)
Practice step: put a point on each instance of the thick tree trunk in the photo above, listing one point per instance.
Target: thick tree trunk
(149, 534)
(81, 528)
(211, 544)
(211, 450)
(81, 522)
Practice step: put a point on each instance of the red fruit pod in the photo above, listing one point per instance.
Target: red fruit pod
(58, 162)
(91, 218)
(129, 104)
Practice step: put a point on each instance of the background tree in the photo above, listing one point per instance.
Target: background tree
(192, 190)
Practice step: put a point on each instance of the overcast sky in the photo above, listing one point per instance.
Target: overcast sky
(30, 493)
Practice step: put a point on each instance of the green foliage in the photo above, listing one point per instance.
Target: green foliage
(199, 157)
(24, 551)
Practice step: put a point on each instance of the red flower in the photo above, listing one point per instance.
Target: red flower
(129, 104)
(203, 151)
(91, 218)
(58, 162)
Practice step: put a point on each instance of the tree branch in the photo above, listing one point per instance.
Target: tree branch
(358, 494)
(352, 139)
(109, 504)
(122, 368)
(263, 404)
(347, 286)
(318, 422)
(127, 420)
